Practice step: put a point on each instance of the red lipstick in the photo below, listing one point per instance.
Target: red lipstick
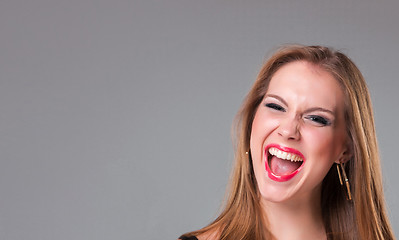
(285, 177)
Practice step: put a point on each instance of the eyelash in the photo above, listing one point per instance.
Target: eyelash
(314, 118)
(319, 120)
(275, 107)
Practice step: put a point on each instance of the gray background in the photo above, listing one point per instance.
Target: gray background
(115, 115)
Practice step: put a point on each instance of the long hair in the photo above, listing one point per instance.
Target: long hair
(362, 218)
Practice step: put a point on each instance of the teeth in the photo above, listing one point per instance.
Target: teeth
(284, 155)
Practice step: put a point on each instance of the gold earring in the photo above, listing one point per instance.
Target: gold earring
(348, 189)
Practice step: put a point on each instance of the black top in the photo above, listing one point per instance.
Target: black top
(189, 238)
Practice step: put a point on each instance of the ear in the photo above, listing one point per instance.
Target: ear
(345, 155)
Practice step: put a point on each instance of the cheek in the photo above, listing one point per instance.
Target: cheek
(324, 146)
(262, 126)
(260, 132)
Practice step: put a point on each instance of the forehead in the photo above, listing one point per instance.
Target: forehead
(303, 82)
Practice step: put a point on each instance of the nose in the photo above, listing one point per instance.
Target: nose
(289, 129)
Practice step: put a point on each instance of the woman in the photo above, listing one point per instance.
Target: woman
(307, 163)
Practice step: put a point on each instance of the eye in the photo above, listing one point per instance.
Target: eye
(319, 120)
(275, 107)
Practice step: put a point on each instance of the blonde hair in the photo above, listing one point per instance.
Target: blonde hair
(362, 218)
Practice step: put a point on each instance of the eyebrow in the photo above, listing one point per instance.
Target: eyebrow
(320, 109)
(277, 97)
(307, 110)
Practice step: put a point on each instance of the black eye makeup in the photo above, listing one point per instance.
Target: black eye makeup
(275, 107)
(319, 120)
(277, 104)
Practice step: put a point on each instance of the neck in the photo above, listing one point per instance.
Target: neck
(295, 219)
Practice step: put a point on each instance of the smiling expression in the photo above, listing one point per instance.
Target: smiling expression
(298, 132)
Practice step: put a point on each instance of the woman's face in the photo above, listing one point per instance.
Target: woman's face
(298, 132)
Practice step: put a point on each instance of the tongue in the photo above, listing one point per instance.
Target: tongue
(283, 167)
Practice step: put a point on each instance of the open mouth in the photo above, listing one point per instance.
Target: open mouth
(283, 163)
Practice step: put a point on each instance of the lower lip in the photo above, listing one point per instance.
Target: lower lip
(279, 178)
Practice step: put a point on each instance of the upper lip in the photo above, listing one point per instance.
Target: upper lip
(284, 149)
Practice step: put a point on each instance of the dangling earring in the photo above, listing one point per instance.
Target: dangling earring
(348, 189)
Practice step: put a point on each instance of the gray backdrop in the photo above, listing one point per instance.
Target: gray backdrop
(115, 115)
